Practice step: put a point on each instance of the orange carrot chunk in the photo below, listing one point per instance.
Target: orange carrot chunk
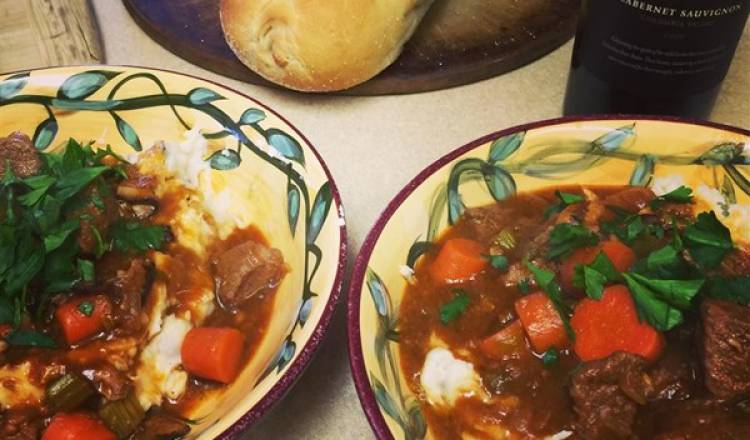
(81, 318)
(508, 343)
(77, 427)
(459, 260)
(542, 322)
(610, 325)
(580, 256)
(622, 257)
(213, 353)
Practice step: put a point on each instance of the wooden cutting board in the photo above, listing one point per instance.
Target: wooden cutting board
(459, 41)
(42, 33)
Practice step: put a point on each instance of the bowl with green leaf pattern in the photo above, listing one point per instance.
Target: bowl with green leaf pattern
(594, 151)
(262, 173)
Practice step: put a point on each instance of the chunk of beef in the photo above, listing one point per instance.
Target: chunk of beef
(18, 426)
(518, 272)
(160, 426)
(671, 213)
(736, 263)
(142, 211)
(695, 419)
(632, 199)
(606, 395)
(487, 222)
(590, 213)
(137, 188)
(109, 382)
(726, 348)
(130, 286)
(126, 281)
(96, 218)
(674, 376)
(26, 432)
(245, 270)
(17, 150)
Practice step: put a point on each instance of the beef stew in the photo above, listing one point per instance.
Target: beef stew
(115, 317)
(590, 313)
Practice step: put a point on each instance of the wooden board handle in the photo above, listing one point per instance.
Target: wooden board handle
(41, 33)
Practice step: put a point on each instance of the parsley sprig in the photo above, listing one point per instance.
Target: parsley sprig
(566, 237)
(593, 277)
(564, 199)
(41, 216)
(663, 284)
(548, 283)
(454, 308)
(708, 240)
(682, 195)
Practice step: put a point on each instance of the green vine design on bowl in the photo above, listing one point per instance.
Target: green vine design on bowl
(286, 153)
(562, 160)
(404, 410)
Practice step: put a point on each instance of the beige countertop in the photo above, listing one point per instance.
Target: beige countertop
(374, 146)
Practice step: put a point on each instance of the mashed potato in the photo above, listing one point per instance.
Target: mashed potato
(445, 378)
(159, 374)
(736, 217)
(16, 390)
(208, 212)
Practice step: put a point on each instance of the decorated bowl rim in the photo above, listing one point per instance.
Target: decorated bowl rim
(356, 280)
(293, 373)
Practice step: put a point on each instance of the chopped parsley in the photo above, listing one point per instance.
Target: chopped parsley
(547, 282)
(499, 261)
(564, 200)
(630, 227)
(30, 338)
(86, 307)
(660, 302)
(101, 247)
(454, 308)
(593, 277)
(708, 240)
(667, 262)
(682, 195)
(551, 357)
(566, 238)
(524, 286)
(133, 236)
(86, 269)
(41, 217)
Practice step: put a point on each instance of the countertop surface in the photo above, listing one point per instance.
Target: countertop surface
(373, 147)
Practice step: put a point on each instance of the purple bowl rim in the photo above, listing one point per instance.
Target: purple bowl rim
(294, 371)
(356, 280)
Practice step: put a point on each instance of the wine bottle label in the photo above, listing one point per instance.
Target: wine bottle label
(661, 46)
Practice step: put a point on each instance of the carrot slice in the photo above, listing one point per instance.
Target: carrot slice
(508, 343)
(580, 256)
(542, 322)
(459, 260)
(81, 318)
(76, 427)
(610, 325)
(622, 257)
(213, 353)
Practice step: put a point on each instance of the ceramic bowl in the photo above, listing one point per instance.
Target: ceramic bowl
(615, 151)
(294, 199)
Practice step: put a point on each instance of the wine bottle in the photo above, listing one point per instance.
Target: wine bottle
(660, 57)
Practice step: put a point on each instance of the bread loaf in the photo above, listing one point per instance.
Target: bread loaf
(319, 45)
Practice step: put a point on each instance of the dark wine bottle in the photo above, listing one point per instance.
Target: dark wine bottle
(659, 57)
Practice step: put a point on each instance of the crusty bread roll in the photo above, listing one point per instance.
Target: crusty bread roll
(319, 45)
